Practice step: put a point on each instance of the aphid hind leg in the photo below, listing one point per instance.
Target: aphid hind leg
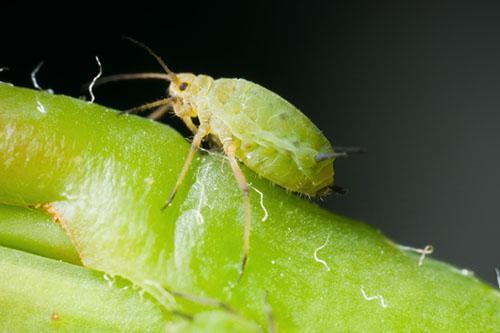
(203, 130)
(230, 150)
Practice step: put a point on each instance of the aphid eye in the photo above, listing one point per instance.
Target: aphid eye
(183, 86)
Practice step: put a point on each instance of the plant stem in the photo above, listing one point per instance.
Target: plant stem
(33, 231)
(107, 176)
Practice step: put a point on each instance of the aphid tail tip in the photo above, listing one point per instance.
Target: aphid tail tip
(339, 190)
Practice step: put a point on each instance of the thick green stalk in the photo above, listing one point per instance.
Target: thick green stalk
(33, 231)
(107, 177)
(41, 295)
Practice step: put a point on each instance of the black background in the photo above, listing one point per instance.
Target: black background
(417, 83)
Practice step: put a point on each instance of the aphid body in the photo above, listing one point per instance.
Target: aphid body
(269, 135)
(252, 124)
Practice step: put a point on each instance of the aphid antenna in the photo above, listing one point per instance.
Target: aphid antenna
(170, 74)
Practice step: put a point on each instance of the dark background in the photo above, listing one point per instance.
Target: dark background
(417, 83)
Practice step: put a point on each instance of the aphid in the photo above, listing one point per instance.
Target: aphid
(253, 125)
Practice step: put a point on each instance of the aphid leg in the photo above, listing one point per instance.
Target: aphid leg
(230, 150)
(159, 112)
(186, 113)
(271, 322)
(152, 105)
(186, 117)
(189, 123)
(195, 145)
(204, 301)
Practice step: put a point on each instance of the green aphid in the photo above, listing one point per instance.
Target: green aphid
(251, 124)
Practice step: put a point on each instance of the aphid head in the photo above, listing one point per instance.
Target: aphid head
(182, 86)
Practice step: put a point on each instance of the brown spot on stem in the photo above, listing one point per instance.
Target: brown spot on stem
(57, 218)
(49, 209)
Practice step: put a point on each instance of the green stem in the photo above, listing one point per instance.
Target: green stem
(33, 231)
(107, 177)
(41, 295)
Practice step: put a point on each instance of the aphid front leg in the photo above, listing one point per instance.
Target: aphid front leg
(230, 150)
(152, 105)
(203, 130)
(189, 123)
(185, 112)
(159, 112)
(180, 110)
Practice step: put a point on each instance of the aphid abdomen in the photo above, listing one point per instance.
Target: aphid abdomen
(275, 139)
(282, 168)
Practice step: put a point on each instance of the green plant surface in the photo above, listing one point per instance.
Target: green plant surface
(33, 231)
(38, 294)
(107, 176)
